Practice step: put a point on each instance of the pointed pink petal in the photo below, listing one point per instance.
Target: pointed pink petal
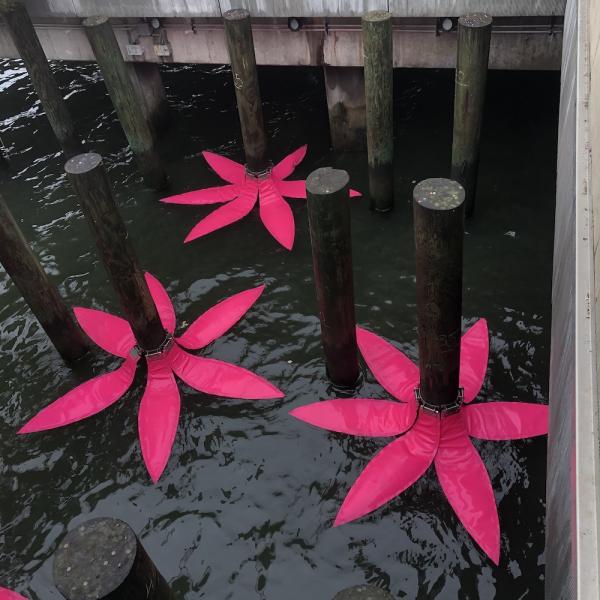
(85, 400)
(506, 420)
(221, 379)
(474, 350)
(276, 214)
(467, 486)
(291, 189)
(228, 213)
(163, 303)
(358, 416)
(355, 193)
(286, 167)
(394, 469)
(111, 333)
(219, 319)
(225, 168)
(391, 367)
(211, 195)
(10, 595)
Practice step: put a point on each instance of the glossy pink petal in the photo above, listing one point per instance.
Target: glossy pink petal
(506, 420)
(85, 400)
(219, 378)
(391, 367)
(467, 486)
(355, 193)
(163, 303)
(211, 195)
(158, 416)
(111, 333)
(291, 189)
(10, 595)
(219, 319)
(474, 350)
(286, 167)
(358, 416)
(394, 469)
(225, 168)
(228, 213)
(276, 214)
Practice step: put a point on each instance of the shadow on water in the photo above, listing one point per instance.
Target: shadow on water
(245, 506)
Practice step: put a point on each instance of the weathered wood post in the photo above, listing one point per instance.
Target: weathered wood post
(240, 44)
(474, 34)
(43, 298)
(123, 89)
(88, 178)
(25, 39)
(331, 241)
(104, 560)
(438, 206)
(379, 85)
(363, 592)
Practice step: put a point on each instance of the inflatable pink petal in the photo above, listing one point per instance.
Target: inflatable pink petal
(211, 195)
(467, 486)
(10, 595)
(506, 420)
(158, 416)
(391, 367)
(355, 194)
(227, 214)
(394, 469)
(286, 167)
(111, 333)
(85, 400)
(291, 189)
(219, 319)
(474, 350)
(163, 303)
(358, 416)
(276, 214)
(225, 168)
(221, 379)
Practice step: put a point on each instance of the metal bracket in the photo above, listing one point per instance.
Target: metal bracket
(263, 174)
(163, 347)
(441, 410)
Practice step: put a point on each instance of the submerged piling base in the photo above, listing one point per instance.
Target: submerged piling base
(363, 592)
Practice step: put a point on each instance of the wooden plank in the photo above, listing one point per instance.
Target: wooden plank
(495, 8)
(306, 8)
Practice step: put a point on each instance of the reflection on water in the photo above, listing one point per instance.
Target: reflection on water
(245, 507)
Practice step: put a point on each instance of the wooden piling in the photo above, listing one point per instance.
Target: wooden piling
(379, 83)
(331, 241)
(240, 44)
(474, 34)
(104, 560)
(438, 206)
(123, 88)
(43, 298)
(363, 592)
(25, 39)
(88, 178)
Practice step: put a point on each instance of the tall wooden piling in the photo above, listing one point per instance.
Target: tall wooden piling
(379, 84)
(363, 592)
(88, 178)
(474, 34)
(43, 298)
(438, 206)
(331, 241)
(104, 560)
(240, 44)
(123, 88)
(25, 39)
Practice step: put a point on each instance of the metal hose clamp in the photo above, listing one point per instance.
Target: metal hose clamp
(258, 175)
(163, 347)
(441, 410)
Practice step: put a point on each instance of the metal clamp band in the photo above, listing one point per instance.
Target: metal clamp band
(263, 174)
(163, 347)
(441, 410)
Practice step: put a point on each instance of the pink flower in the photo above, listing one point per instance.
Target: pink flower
(159, 409)
(426, 437)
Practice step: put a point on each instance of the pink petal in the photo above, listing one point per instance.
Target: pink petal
(506, 420)
(394, 469)
(10, 595)
(219, 319)
(85, 400)
(467, 486)
(163, 303)
(211, 195)
(228, 213)
(158, 416)
(391, 367)
(474, 350)
(225, 168)
(276, 214)
(286, 167)
(291, 189)
(355, 193)
(221, 379)
(358, 416)
(111, 333)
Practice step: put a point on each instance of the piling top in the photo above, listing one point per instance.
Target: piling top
(439, 194)
(94, 21)
(475, 20)
(326, 180)
(376, 16)
(363, 592)
(83, 163)
(236, 14)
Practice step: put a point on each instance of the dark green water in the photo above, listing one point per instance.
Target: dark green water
(245, 506)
